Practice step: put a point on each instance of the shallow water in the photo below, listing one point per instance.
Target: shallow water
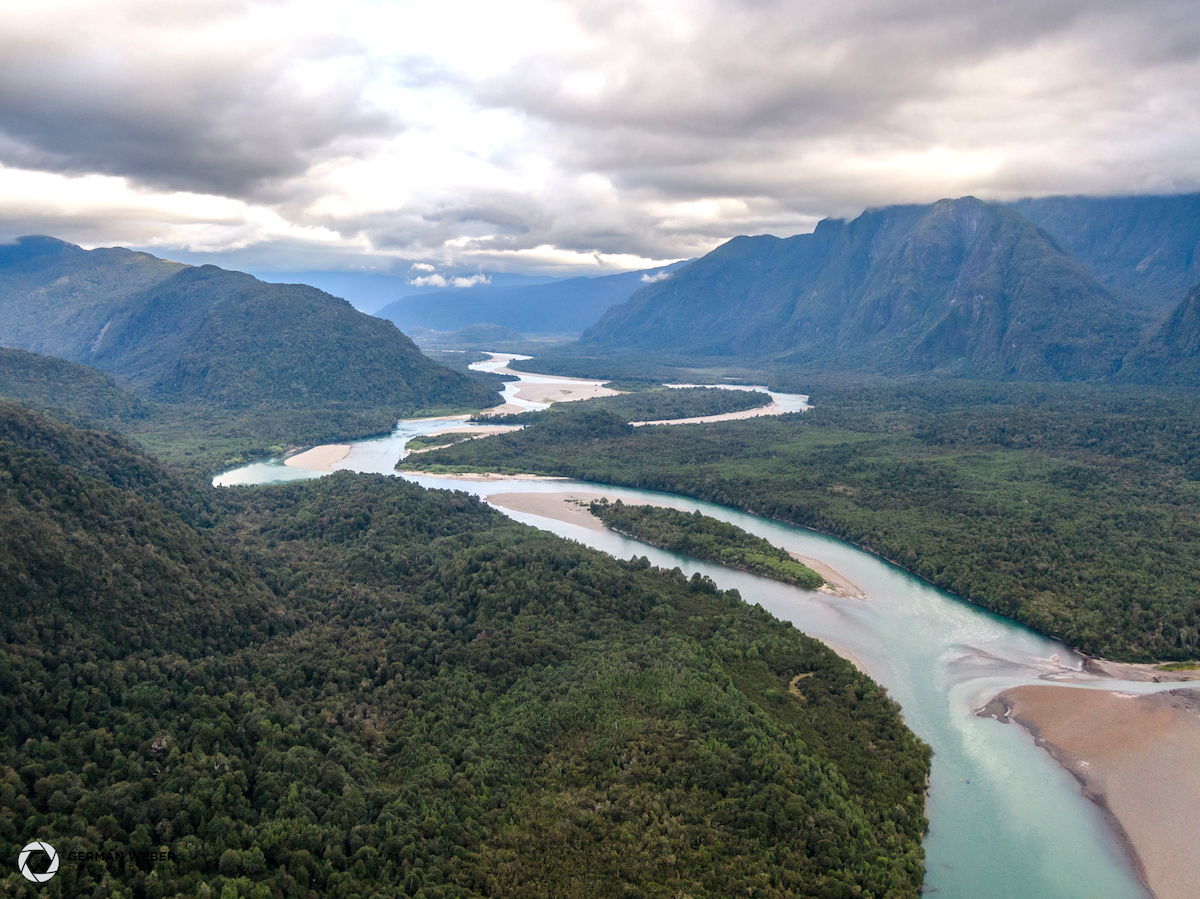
(1005, 820)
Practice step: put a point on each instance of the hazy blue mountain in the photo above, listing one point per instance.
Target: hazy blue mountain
(1171, 355)
(560, 308)
(960, 287)
(211, 337)
(369, 292)
(1145, 247)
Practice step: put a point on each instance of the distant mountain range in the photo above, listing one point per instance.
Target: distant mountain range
(214, 338)
(560, 308)
(960, 287)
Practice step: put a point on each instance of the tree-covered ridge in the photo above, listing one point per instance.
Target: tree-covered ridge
(433, 701)
(959, 287)
(215, 339)
(1072, 509)
(705, 538)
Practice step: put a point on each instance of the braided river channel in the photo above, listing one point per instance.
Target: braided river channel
(1006, 821)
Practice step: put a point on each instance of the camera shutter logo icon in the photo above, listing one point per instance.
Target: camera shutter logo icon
(23, 861)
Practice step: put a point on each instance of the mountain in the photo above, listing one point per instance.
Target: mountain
(1146, 248)
(75, 391)
(209, 337)
(370, 291)
(960, 287)
(561, 308)
(100, 546)
(1171, 355)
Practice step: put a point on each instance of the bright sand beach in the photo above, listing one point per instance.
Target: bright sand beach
(771, 409)
(572, 508)
(1137, 757)
(319, 458)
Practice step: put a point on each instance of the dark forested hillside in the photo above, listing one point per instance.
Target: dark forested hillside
(1073, 509)
(1147, 248)
(213, 338)
(1171, 354)
(356, 687)
(960, 287)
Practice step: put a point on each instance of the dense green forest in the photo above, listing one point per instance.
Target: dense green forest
(1074, 509)
(226, 366)
(705, 538)
(357, 687)
(192, 437)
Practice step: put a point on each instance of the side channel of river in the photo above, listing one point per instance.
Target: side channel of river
(1005, 820)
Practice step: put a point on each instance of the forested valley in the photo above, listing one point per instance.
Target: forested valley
(357, 687)
(1072, 508)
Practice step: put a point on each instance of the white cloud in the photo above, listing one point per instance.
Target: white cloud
(556, 136)
(471, 281)
(655, 278)
(422, 267)
(428, 281)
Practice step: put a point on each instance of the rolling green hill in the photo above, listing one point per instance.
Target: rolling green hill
(961, 287)
(212, 338)
(357, 687)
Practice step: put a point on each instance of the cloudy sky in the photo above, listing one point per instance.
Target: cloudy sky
(587, 136)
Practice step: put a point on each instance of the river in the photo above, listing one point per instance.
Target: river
(1005, 820)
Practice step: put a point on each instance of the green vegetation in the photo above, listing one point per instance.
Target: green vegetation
(1179, 666)
(705, 538)
(226, 365)
(425, 441)
(1073, 509)
(356, 687)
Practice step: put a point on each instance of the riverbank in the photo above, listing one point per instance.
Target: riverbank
(573, 509)
(319, 458)
(1136, 757)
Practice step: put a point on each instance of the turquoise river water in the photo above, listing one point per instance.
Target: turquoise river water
(1006, 822)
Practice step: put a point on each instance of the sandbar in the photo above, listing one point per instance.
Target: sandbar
(770, 409)
(319, 458)
(1136, 672)
(481, 476)
(836, 583)
(1136, 757)
(572, 508)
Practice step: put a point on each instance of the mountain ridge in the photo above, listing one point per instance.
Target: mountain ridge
(957, 287)
(206, 336)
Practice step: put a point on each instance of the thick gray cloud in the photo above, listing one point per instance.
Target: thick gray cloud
(165, 95)
(479, 135)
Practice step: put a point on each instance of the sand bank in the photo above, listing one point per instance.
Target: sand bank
(835, 584)
(771, 409)
(572, 508)
(1136, 757)
(481, 476)
(319, 458)
(1136, 672)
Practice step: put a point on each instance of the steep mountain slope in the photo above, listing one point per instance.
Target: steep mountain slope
(99, 547)
(74, 391)
(1171, 355)
(961, 287)
(1145, 247)
(214, 338)
(560, 308)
